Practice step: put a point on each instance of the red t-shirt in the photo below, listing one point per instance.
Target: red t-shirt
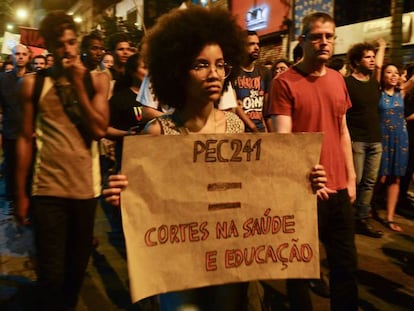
(316, 104)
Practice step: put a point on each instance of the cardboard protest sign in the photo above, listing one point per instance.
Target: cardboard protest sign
(212, 209)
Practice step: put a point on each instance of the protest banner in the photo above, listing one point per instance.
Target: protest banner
(211, 209)
(31, 37)
(10, 40)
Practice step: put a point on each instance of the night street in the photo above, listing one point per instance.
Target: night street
(384, 265)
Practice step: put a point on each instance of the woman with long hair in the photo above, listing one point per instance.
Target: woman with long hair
(394, 139)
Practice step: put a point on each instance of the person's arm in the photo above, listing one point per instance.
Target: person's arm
(248, 123)
(349, 163)
(116, 184)
(410, 117)
(407, 86)
(379, 58)
(24, 148)
(95, 112)
(149, 113)
(114, 133)
(152, 128)
(318, 179)
(282, 124)
(267, 122)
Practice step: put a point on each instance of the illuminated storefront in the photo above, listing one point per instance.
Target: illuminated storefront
(271, 20)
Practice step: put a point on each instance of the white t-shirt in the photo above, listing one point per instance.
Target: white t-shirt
(228, 100)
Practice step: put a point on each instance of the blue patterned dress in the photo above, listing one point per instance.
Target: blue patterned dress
(394, 135)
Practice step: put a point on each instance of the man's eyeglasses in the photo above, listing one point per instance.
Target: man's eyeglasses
(203, 69)
(318, 37)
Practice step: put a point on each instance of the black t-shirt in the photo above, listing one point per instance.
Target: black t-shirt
(363, 116)
(126, 112)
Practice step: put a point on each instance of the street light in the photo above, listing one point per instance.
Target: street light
(21, 14)
(77, 19)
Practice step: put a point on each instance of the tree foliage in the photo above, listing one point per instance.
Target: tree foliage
(113, 25)
(6, 14)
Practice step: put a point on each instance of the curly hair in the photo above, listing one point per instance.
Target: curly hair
(116, 38)
(53, 25)
(87, 39)
(176, 40)
(356, 52)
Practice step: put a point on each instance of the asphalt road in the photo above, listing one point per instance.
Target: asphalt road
(385, 267)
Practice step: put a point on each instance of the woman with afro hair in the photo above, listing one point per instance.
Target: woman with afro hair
(192, 55)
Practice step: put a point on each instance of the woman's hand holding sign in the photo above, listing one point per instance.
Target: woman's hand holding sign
(116, 184)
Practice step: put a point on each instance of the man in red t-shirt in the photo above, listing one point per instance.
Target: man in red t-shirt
(309, 97)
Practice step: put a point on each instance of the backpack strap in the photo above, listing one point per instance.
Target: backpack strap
(37, 92)
(40, 80)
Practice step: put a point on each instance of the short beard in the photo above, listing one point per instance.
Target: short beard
(252, 58)
(365, 70)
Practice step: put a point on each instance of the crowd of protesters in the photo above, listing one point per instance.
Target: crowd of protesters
(66, 113)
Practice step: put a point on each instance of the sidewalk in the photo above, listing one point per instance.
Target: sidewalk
(383, 282)
(16, 253)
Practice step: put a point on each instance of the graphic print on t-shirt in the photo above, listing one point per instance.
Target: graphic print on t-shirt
(250, 90)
